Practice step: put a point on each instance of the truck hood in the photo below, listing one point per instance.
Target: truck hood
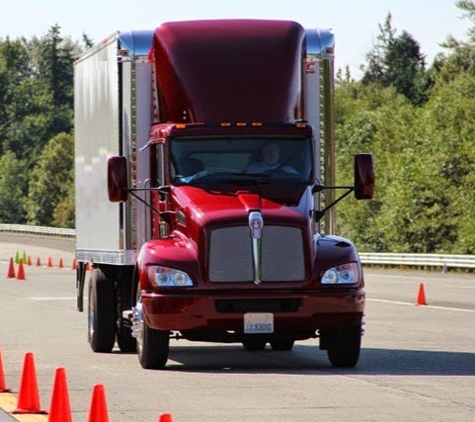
(204, 208)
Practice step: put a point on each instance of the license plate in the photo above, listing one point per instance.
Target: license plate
(257, 323)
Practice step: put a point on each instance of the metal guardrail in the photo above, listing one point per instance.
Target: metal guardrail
(418, 260)
(390, 259)
(45, 231)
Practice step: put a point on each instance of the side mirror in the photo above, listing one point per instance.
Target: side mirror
(364, 176)
(117, 178)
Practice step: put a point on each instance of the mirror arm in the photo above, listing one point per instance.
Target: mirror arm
(318, 215)
(164, 215)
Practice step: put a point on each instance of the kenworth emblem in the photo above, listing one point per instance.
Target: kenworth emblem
(256, 223)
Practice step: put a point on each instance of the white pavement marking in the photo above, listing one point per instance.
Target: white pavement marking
(445, 308)
(51, 298)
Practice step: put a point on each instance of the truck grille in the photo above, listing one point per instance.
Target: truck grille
(231, 259)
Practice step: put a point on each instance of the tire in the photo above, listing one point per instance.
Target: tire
(125, 340)
(343, 346)
(254, 344)
(282, 345)
(152, 345)
(101, 312)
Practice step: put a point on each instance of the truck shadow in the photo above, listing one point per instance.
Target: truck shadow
(416, 362)
(309, 360)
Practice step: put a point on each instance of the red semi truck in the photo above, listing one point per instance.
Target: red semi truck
(204, 159)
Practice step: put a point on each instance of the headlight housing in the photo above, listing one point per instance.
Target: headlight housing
(168, 277)
(342, 274)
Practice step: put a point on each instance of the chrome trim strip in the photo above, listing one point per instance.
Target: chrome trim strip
(256, 223)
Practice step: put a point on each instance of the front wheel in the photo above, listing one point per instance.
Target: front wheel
(101, 312)
(343, 346)
(152, 345)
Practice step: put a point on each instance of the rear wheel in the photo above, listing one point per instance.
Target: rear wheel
(101, 312)
(152, 345)
(343, 346)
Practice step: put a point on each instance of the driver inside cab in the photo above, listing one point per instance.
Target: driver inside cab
(270, 161)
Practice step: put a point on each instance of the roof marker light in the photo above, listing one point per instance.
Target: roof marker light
(225, 124)
(256, 124)
(241, 124)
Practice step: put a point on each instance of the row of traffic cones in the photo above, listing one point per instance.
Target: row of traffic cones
(27, 261)
(20, 275)
(60, 410)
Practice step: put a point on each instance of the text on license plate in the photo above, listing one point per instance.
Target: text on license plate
(255, 323)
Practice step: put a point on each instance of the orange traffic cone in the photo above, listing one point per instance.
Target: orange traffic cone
(75, 265)
(421, 295)
(38, 262)
(21, 271)
(60, 263)
(98, 410)
(11, 269)
(165, 417)
(60, 409)
(29, 260)
(28, 396)
(50, 262)
(3, 386)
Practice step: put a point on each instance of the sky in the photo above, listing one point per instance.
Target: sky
(354, 22)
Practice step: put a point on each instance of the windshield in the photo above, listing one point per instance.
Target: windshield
(240, 160)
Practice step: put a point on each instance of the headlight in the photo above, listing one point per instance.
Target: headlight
(168, 277)
(342, 274)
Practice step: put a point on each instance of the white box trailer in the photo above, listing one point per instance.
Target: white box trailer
(113, 89)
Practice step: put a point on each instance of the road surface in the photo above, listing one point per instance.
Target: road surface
(417, 362)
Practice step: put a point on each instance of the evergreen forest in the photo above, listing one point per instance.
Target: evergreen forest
(416, 118)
